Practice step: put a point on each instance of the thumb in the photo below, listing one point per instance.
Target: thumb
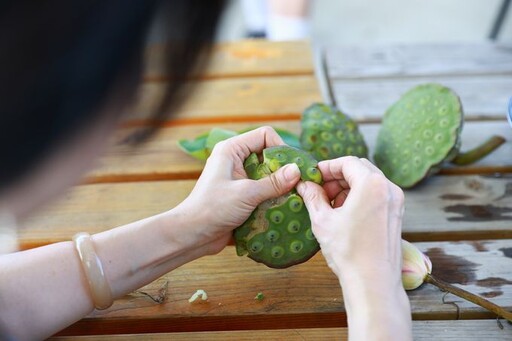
(314, 197)
(278, 183)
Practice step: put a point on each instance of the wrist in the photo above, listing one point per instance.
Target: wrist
(377, 308)
(182, 227)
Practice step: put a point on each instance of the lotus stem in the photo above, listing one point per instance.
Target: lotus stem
(479, 152)
(482, 302)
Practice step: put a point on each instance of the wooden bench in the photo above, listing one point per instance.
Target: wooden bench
(462, 218)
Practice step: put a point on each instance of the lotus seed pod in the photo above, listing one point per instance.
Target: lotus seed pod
(278, 232)
(418, 133)
(327, 133)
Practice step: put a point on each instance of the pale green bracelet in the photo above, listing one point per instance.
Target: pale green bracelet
(98, 285)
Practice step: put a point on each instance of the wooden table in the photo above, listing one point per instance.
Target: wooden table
(461, 218)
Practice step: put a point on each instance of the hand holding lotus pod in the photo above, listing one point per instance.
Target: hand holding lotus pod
(327, 133)
(420, 132)
(417, 269)
(278, 232)
(202, 146)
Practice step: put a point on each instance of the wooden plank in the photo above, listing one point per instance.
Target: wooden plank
(303, 296)
(161, 159)
(410, 60)
(482, 96)
(445, 207)
(96, 208)
(247, 58)
(459, 207)
(422, 330)
(229, 99)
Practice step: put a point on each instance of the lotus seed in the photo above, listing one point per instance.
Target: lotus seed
(281, 157)
(328, 124)
(309, 234)
(326, 136)
(273, 165)
(294, 226)
(443, 110)
(314, 174)
(256, 246)
(296, 246)
(276, 216)
(277, 252)
(272, 235)
(295, 204)
(428, 134)
(340, 135)
(298, 161)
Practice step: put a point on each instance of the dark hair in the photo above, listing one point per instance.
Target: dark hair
(61, 60)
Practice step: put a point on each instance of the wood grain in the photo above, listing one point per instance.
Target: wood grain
(248, 58)
(482, 96)
(161, 159)
(422, 330)
(411, 60)
(233, 99)
(304, 296)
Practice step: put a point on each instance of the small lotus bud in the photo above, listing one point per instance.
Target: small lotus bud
(415, 266)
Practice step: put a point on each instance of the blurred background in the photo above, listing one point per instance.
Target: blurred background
(389, 21)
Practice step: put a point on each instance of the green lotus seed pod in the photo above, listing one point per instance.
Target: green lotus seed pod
(275, 233)
(419, 132)
(327, 133)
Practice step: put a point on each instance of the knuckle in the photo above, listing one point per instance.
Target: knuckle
(351, 158)
(398, 195)
(275, 183)
(379, 185)
(219, 146)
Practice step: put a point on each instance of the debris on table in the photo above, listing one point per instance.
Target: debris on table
(199, 296)
(259, 296)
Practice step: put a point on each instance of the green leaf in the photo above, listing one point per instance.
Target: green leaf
(196, 147)
(289, 138)
(216, 135)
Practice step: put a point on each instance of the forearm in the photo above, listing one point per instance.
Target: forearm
(43, 290)
(138, 253)
(377, 311)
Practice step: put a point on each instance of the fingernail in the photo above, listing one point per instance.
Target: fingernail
(291, 172)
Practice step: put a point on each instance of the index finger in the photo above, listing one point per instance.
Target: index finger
(347, 168)
(256, 140)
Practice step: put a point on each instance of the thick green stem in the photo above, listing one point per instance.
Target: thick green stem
(479, 152)
(469, 296)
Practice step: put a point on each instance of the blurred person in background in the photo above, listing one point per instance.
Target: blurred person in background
(277, 19)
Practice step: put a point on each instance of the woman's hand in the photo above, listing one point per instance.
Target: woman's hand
(224, 197)
(357, 217)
